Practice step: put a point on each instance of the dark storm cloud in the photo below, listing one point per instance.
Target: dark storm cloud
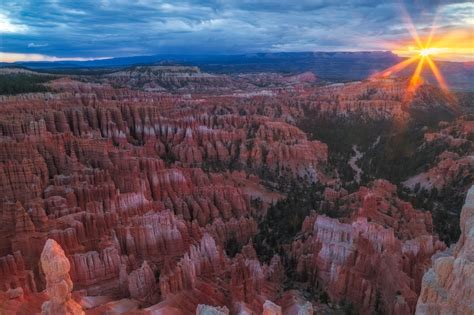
(97, 28)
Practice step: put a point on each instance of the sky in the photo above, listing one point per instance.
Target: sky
(92, 29)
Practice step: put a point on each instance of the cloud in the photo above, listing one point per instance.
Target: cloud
(91, 28)
(458, 14)
(8, 26)
(34, 45)
(13, 57)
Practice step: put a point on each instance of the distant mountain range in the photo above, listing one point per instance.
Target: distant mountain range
(329, 66)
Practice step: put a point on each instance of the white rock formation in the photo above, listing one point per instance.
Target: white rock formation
(56, 268)
(448, 287)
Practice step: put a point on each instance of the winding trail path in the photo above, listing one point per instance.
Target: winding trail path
(352, 162)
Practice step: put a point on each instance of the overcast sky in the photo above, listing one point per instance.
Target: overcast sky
(112, 28)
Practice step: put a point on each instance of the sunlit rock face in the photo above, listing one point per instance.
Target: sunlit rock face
(448, 286)
(55, 266)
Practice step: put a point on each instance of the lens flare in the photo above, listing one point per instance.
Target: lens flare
(423, 51)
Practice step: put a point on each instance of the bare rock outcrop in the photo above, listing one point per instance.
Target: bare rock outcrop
(448, 287)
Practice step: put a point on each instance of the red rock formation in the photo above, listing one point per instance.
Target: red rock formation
(454, 167)
(200, 259)
(157, 236)
(240, 230)
(205, 274)
(26, 304)
(93, 267)
(450, 167)
(361, 260)
(376, 99)
(119, 176)
(379, 203)
(142, 284)
(14, 275)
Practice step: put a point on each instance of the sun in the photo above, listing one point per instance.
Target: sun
(422, 52)
(428, 51)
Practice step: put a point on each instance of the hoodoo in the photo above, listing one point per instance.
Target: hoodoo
(59, 286)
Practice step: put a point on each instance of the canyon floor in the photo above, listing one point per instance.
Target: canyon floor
(168, 190)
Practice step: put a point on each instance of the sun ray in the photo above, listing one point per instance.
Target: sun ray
(425, 51)
(411, 27)
(398, 67)
(415, 79)
(432, 31)
(437, 73)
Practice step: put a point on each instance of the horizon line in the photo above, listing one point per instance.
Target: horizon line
(9, 58)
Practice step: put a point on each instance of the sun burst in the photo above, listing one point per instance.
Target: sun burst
(429, 51)
(424, 51)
